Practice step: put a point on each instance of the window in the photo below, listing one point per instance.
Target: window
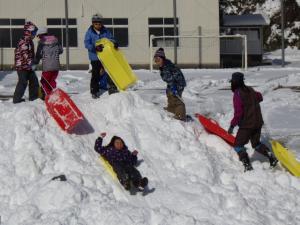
(119, 29)
(11, 30)
(163, 27)
(57, 27)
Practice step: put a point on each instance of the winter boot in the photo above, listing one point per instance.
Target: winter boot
(144, 182)
(273, 160)
(247, 165)
(244, 158)
(95, 96)
(126, 184)
(264, 150)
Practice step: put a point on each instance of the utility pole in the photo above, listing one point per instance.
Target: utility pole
(67, 34)
(282, 35)
(175, 30)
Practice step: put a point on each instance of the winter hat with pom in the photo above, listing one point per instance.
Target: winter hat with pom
(97, 18)
(160, 53)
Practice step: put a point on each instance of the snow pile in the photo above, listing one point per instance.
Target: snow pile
(197, 177)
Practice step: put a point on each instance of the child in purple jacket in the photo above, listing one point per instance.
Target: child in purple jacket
(122, 160)
(247, 115)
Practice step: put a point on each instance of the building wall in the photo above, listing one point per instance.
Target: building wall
(192, 14)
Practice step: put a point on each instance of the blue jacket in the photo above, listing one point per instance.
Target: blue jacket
(114, 156)
(173, 76)
(91, 37)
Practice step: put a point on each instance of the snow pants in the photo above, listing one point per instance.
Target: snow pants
(48, 81)
(244, 135)
(127, 173)
(26, 77)
(176, 106)
(97, 67)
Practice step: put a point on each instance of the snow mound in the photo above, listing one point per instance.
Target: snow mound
(197, 177)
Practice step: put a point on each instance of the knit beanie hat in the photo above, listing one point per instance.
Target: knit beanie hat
(237, 77)
(42, 30)
(160, 53)
(97, 18)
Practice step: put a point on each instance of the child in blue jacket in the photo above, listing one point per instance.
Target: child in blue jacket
(122, 160)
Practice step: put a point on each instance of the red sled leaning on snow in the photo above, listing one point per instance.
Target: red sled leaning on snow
(213, 127)
(63, 109)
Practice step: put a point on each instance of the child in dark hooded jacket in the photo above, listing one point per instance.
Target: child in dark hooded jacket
(122, 160)
(24, 56)
(176, 83)
(247, 115)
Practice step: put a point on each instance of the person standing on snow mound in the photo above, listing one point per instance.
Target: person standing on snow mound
(48, 50)
(24, 55)
(122, 161)
(175, 80)
(95, 32)
(247, 115)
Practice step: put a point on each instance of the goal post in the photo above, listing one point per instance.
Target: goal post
(200, 45)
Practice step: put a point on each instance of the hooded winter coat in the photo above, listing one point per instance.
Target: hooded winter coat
(91, 37)
(49, 50)
(114, 156)
(173, 76)
(24, 52)
(247, 112)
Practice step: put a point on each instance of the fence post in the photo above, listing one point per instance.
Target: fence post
(151, 57)
(200, 47)
(246, 52)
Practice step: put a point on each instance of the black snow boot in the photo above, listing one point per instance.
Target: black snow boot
(126, 184)
(273, 160)
(144, 182)
(244, 158)
(264, 150)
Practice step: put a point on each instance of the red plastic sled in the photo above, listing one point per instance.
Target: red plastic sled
(63, 109)
(213, 127)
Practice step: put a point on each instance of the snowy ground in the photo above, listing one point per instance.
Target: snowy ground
(197, 177)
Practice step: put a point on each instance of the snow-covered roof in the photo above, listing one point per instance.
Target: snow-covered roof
(244, 20)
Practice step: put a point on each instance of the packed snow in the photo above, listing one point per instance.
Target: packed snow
(197, 177)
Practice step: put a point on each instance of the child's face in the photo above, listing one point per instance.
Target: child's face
(118, 144)
(158, 61)
(97, 26)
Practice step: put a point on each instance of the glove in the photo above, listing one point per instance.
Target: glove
(99, 48)
(33, 67)
(230, 129)
(174, 90)
(116, 46)
(135, 152)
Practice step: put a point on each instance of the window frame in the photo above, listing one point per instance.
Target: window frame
(154, 24)
(10, 26)
(62, 27)
(111, 25)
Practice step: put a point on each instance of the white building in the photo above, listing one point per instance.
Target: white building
(131, 21)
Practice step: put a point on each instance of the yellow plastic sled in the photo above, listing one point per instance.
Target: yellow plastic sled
(108, 168)
(116, 65)
(286, 158)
